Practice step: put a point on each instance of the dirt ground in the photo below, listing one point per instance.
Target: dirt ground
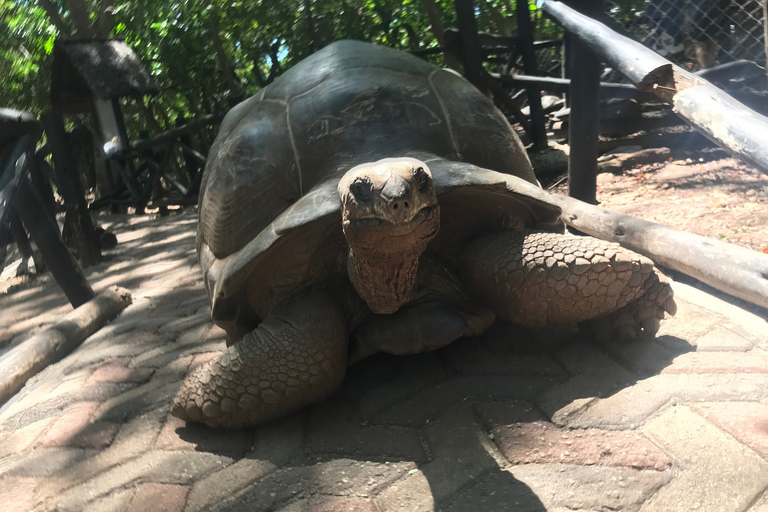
(706, 193)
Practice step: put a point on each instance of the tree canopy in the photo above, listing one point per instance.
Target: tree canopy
(206, 54)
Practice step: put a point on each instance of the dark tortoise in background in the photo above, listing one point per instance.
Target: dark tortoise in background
(369, 201)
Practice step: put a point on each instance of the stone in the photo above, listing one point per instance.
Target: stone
(548, 486)
(17, 494)
(541, 443)
(715, 471)
(117, 501)
(76, 428)
(412, 493)
(718, 362)
(227, 482)
(179, 435)
(631, 406)
(334, 432)
(339, 477)
(119, 372)
(462, 451)
(746, 421)
(159, 498)
(46, 462)
(722, 339)
(430, 402)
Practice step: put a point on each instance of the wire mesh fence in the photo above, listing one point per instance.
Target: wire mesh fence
(696, 34)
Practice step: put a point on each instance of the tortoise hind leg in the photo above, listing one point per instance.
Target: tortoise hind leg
(297, 356)
(536, 278)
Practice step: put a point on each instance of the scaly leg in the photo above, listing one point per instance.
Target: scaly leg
(536, 278)
(296, 357)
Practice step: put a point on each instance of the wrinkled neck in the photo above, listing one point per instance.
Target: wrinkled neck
(384, 280)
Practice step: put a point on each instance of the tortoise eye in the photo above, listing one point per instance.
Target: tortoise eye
(421, 179)
(362, 189)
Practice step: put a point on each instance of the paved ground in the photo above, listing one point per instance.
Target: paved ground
(677, 424)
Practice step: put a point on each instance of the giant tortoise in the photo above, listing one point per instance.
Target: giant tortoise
(368, 201)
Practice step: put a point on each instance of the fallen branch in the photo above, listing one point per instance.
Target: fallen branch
(51, 345)
(722, 119)
(621, 162)
(740, 272)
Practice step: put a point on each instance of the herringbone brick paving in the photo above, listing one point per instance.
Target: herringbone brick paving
(513, 420)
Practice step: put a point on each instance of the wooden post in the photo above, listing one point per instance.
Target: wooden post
(584, 127)
(741, 272)
(189, 162)
(765, 32)
(77, 217)
(525, 31)
(25, 249)
(45, 234)
(470, 43)
(710, 110)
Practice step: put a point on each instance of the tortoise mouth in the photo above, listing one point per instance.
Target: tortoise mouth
(394, 228)
(370, 235)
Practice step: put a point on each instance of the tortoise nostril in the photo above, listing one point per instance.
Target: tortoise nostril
(405, 204)
(394, 206)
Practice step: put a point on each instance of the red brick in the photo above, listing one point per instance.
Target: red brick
(540, 443)
(19, 440)
(717, 362)
(118, 371)
(17, 494)
(339, 504)
(179, 435)
(76, 429)
(746, 421)
(159, 498)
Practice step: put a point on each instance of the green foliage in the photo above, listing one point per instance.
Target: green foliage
(207, 53)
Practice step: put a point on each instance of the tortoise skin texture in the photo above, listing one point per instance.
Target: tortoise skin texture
(368, 201)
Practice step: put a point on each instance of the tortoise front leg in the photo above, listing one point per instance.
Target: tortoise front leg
(536, 278)
(296, 357)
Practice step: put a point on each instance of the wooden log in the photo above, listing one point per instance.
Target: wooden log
(25, 360)
(740, 272)
(77, 216)
(469, 47)
(584, 127)
(538, 129)
(45, 233)
(170, 135)
(722, 119)
(561, 85)
(619, 163)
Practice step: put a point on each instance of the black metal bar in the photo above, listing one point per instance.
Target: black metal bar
(561, 85)
(71, 190)
(584, 123)
(471, 56)
(45, 233)
(524, 28)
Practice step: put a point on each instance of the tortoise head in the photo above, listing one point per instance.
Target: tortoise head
(389, 215)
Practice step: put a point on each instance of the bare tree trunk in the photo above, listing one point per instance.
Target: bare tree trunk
(53, 14)
(310, 25)
(224, 61)
(436, 26)
(500, 22)
(765, 32)
(81, 18)
(149, 115)
(105, 19)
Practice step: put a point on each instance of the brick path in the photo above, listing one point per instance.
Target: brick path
(677, 424)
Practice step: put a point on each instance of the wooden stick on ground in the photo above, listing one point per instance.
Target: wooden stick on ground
(722, 119)
(740, 272)
(51, 345)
